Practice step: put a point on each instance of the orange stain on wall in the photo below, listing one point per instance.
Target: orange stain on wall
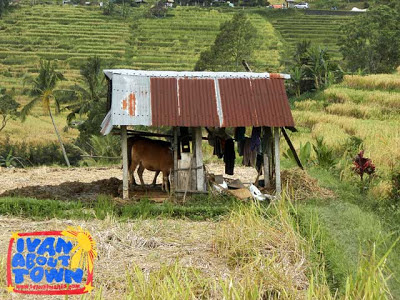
(132, 104)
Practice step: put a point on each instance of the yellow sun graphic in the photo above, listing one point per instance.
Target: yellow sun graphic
(84, 251)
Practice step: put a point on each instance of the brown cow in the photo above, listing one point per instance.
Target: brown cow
(131, 140)
(153, 155)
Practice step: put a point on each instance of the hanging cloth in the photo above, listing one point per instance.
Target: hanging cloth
(255, 138)
(229, 156)
(240, 133)
(249, 156)
(218, 149)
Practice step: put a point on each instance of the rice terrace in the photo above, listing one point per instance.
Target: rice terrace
(210, 149)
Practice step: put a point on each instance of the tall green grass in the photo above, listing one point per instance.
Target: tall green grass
(197, 208)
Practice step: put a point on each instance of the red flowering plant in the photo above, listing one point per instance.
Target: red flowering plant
(363, 165)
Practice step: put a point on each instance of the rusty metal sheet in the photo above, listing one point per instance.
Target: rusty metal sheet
(164, 101)
(272, 103)
(236, 100)
(254, 102)
(183, 102)
(198, 105)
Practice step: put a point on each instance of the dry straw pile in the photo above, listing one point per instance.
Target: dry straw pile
(300, 186)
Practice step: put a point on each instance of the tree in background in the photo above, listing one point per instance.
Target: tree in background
(43, 91)
(371, 42)
(157, 10)
(108, 8)
(312, 69)
(88, 99)
(8, 107)
(235, 42)
(4, 4)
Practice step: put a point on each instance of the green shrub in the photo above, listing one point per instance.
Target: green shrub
(37, 155)
(304, 153)
(325, 157)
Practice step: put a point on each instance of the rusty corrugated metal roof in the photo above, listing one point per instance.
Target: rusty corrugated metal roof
(184, 102)
(212, 99)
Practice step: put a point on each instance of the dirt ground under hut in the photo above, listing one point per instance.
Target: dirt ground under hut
(85, 184)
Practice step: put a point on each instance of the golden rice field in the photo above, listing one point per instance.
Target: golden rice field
(367, 107)
(38, 129)
(379, 81)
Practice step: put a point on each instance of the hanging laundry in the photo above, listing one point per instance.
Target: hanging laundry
(241, 147)
(229, 156)
(218, 149)
(249, 156)
(240, 133)
(255, 138)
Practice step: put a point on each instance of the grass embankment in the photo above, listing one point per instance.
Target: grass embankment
(197, 208)
(360, 113)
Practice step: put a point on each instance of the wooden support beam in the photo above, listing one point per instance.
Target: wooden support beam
(278, 187)
(143, 133)
(200, 181)
(292, 148)
(246, 66)
(124, 149)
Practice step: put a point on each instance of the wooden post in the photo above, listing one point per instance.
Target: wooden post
(266, 170)
(277, 163)
(175, 144)
(199, 160)
(267, 156)
(124, 148)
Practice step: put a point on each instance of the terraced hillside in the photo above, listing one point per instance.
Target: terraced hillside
(63, 33)
(70, 35)
(321, 30)
(175, 42)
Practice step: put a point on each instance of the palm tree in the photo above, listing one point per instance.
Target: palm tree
(318, 65)
(93, 90)
(42, 91)
(296, 77)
